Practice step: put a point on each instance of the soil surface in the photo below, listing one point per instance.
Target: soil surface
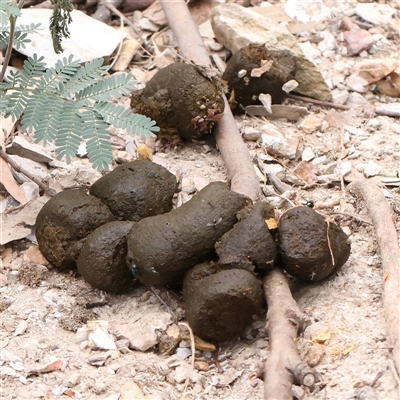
(345, 335)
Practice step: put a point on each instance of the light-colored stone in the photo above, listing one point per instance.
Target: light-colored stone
(141, 334)
(372, 169)
(23, 148)
(356, 83)
(310, 123)
(236, 27)
(308, 154)
(377, 14)
(33, 254)
(274, 139)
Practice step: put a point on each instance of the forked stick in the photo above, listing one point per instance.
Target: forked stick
(387, 239)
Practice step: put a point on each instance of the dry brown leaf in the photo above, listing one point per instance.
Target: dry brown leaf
(375, 70)
(7, 179)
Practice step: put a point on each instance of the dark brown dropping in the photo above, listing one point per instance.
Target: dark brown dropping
(220, 302)
(304, 247)
(102, 261)
(162, 248)
(249, 243)
(64, 222)
(136, 190)
(247, 88)
(181, 100)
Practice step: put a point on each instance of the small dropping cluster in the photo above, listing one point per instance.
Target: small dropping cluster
(216, 244)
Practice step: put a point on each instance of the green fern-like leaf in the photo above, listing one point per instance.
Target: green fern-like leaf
(25, 81)
(69, 136)
(85, 76)
(98, 145)
(35, 110)
(53, 77)
(123, 118)
(10, 8)
(21, 33)
(3, 102)
(110, 88)
(49, 127)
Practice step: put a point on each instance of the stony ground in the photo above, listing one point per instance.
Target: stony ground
(345, 336)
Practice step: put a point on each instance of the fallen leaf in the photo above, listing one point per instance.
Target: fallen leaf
(7, 179)
(43, 369)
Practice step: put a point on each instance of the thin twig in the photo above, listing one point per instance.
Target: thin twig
(7, 56)
(192, 347)
(118, 13)
(120, 44)
(152, 288)
(7, 158)
(385, 113)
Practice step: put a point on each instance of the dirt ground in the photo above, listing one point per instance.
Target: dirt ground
(345, 335)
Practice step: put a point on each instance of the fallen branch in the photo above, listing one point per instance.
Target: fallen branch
(233, 150)
(284, 365)
(377, 111)
(390, 254)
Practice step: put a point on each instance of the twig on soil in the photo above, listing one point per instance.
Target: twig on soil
(23, 171)
(233, 150)
(193, 348)
(283, 366)
(385, 113)
(390, 254)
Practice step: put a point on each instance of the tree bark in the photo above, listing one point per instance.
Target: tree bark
(234, 151)
(390, 254)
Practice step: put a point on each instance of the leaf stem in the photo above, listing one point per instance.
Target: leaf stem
(7, 56)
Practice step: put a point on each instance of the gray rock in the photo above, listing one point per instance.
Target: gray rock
(236, 27)
(21, 147)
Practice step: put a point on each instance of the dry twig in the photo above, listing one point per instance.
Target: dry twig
(229, 141)
(390, 254)
(385, 113)
(284, 365)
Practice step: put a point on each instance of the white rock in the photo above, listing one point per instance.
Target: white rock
(35, 168)
(181, 373)
(183, 352)
(318, 160)
(271, 137)
(30, 190)
(357, 84)
(102, 339)
(345, 168)
(141, 334)
(21, 328)
(354, 131)
(328, 41)
(377, 14)
(308, 154)
(306, 11)
(7, 371)
(372, 169)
